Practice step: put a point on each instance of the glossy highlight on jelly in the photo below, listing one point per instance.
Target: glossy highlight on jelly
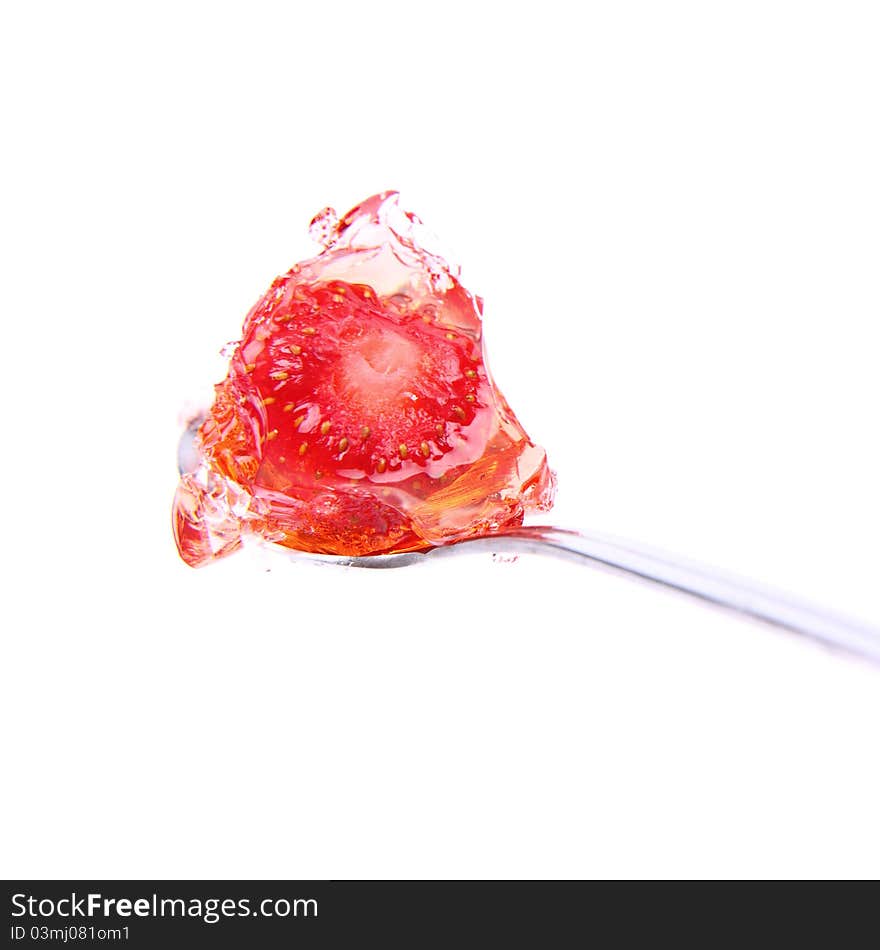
(358, 416)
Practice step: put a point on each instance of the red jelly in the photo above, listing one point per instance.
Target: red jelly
(358, 416)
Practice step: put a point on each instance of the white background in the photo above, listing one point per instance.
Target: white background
(672, 212)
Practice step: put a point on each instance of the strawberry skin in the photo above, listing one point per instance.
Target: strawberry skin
(358, 415)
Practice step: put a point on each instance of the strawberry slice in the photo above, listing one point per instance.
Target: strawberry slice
(358, 415)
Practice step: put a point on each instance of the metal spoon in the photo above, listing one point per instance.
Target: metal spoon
(622, 557)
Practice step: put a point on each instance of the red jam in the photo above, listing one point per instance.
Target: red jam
(358, 415)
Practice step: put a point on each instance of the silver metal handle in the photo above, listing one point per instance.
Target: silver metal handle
(626, 557)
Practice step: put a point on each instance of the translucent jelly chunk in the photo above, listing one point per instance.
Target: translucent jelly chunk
(358, 415)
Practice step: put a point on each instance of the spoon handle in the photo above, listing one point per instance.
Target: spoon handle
(626, 557)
